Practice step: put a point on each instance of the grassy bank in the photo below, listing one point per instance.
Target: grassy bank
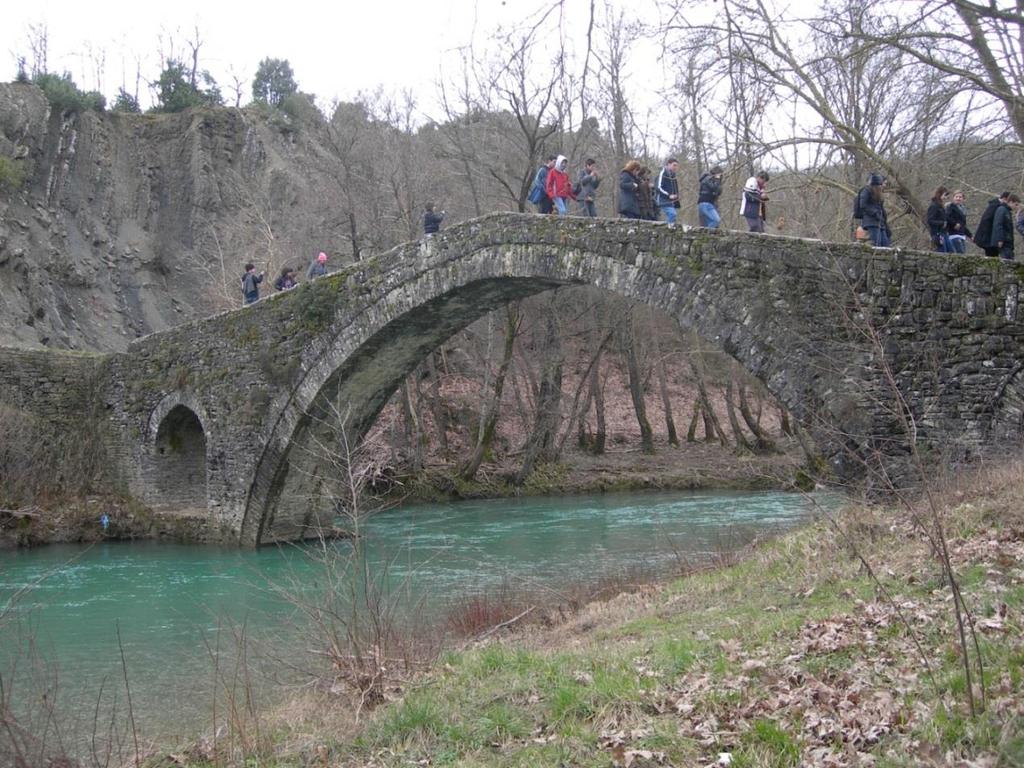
(795, 656)
(696, 466)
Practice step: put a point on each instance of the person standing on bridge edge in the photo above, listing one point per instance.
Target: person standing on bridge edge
(956, 223)
(1002, 227)
(707, 198)
(588, 188)
(251, 284)
(666, 190)
(645, 195)
(983, 234)
(558, 186)
(871, 208)
(629, 184)
(317, 267)
(431, 221)
(936, 218)
(286, 280)
(752, 204)
(538, 194)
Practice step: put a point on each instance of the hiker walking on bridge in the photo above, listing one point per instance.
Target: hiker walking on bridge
(871, 209)
(558, 186)
(588, 188)
(317, 267)
(707, 198)
(752, 205)
(251, 284)
(431, 221)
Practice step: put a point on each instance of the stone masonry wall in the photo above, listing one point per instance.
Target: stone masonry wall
(839, 333)
(57, 387)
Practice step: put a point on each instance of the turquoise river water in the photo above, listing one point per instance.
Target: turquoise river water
(68, 605)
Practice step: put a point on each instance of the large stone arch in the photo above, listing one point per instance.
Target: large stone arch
(175, 455)
(843, 335)
(361, 365)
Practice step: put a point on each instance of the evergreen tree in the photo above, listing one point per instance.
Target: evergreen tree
(274, 82)
(176, 89)
(125, 102)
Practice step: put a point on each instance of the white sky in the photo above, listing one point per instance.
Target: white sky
(335, 49)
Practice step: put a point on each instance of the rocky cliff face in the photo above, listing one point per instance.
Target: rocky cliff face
(129, 224)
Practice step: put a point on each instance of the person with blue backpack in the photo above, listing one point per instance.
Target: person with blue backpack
(538, 192)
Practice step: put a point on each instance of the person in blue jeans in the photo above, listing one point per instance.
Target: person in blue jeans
(936, 218)
(251, 284)
(956, 223)
(707, 198)
(666, 190)
(875, 221)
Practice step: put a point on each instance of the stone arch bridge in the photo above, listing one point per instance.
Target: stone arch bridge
(230, 416)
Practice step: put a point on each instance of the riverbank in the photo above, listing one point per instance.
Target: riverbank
(832, 646)
(692, 466)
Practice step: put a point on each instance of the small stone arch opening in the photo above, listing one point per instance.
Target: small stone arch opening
(180, 460)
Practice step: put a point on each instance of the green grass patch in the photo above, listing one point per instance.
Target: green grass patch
(767, 745)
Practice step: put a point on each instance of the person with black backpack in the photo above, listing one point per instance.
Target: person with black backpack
(538, 192)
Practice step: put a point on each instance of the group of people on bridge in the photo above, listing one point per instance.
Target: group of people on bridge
(287, 280)
(643, 194)
(647, 196)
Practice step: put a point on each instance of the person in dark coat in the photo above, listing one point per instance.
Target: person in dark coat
(872, 207)
(753, 204)
(431, 221)
(1002, 227)
(983, 234)
(645, 196)
(286, 280)
(251, 284)
(588, 183)
(629, 183)
(936, 218)
(544, 203)
(707, 198)
(956, 223)
(666, 190)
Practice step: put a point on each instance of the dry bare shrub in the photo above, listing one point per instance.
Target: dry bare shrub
(39, 465)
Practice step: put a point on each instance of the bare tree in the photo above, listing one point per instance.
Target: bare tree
(628, 344)
(491, 401)
(953, 37)
(836, 87)
(542, 443)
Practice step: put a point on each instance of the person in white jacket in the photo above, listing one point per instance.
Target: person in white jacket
(752, 206)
